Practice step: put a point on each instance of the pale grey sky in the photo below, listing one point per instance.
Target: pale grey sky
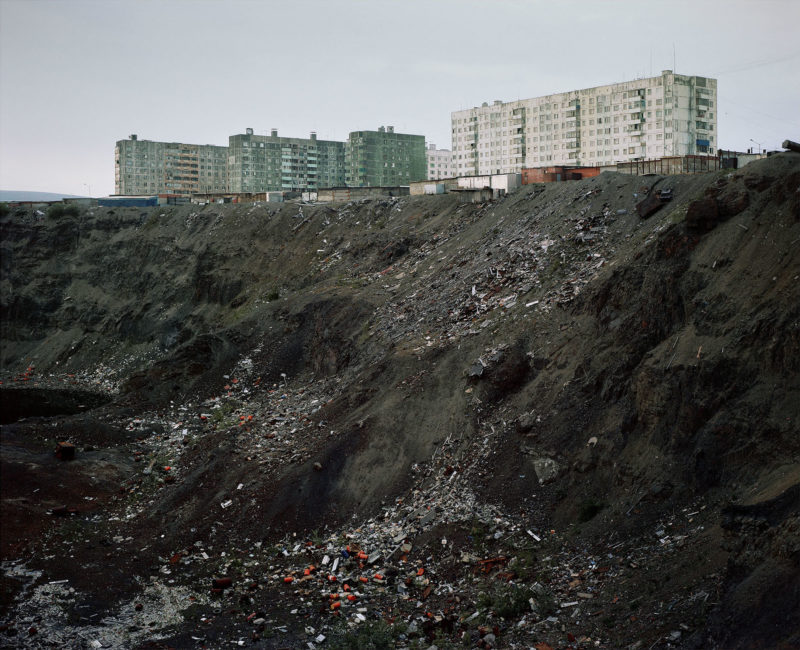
(78, 75)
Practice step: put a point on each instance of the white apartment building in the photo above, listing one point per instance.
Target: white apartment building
(667, 115)
(440, 163)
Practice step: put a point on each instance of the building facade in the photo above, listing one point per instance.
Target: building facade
(148, 167)
(259, 163)
(268, 163)
(439, 162)
(384, 158)
(666, 115)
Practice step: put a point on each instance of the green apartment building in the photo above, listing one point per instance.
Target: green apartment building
(384, 158)
(258, 163)
(269, 163)
(149, 167)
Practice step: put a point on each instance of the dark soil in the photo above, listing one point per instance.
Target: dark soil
(582, 423)
(16, 404)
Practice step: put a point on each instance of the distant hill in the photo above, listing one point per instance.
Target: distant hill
(22, 195)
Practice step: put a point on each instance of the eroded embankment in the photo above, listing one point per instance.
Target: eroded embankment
(548, 362)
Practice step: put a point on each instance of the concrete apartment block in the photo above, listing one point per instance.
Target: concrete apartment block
(148, 167)
(666, 115)
(440, 163)
(258, 163)
(384, 158)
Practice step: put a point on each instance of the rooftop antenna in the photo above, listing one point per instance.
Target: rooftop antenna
(674, 69)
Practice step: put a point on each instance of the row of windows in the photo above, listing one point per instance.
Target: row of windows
(554, 116)
(556, 136)
(565, 125)
(589, 154)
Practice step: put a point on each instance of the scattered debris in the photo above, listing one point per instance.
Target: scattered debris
(429, 422)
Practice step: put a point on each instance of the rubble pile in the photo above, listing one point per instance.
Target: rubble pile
(539, 422)
(436, 565)
(497, 277)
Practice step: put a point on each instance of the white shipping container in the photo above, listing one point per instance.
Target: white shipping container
(475, 182)
(507, 182)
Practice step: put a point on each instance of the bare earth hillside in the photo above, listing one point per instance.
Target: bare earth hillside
(540, 422)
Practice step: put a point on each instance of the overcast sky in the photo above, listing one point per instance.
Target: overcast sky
(76, 76)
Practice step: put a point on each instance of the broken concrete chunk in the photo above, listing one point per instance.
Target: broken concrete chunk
(428, 517)
(475, 370)
(546, 469)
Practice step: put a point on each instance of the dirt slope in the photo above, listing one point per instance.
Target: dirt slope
(546, 362)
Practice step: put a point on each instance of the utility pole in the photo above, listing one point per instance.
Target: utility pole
(265, 163)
